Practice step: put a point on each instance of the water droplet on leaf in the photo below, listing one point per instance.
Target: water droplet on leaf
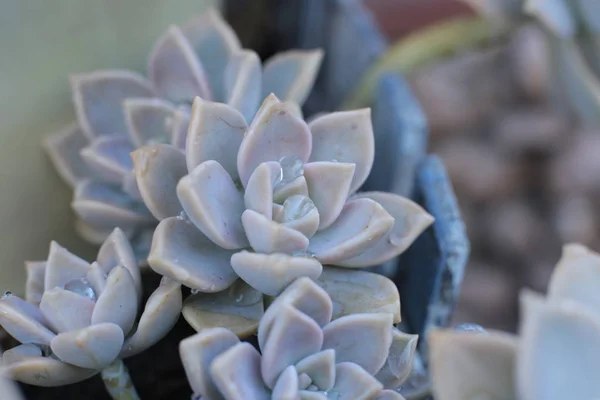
(82, 287)
(291, 168)
(296, 207)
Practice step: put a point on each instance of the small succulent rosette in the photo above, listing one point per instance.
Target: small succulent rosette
(556, 355)
(271, 201)
(303, 354)
(79, 318)
(119, 111)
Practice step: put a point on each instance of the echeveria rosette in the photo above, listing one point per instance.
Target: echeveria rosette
(120, 110)
(81, 318)
(303, 354)
(555, 356)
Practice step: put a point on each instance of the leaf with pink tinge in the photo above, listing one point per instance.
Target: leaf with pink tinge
(354, 383)
(213, 203)
(118, 302)
(292, 337)
(357, 292)
(364, 339)
(63, 149)
(158, 169)
(198, 352)
(34, 286)
(214, 42)
(215, 133)
(328, 187)
(63, 266)
(258, 196)
(286, 387)
(159, 316)
(399, 363)
(174, 69)
(291, 74)
(116, 250)
(306, 224)
(275, 132)
(243, 83)
(360, 225)
(23, 321)
(93, 347)
(236, 373)
(304, 295)
(296, 187)
(320, 367)
(266, 236)
(19, 353)
(388, 395)
(345, 136)
(410, 220)
(179, 127)
(238, 308)
(271, 273)
(183, 253)
(148, 120)
(108, 158)
(104, 206)
(47, 372)
(65, 310)
(98, 98)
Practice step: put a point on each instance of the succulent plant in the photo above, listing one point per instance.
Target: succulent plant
(556, 356)
(303, 354)
(119, 111)
(80, 319)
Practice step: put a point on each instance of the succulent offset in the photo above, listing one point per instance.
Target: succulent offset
(556, 356)
(303, 354)
(120, 110)
(79, 318)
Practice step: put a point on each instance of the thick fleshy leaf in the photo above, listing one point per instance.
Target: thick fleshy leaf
(310, 395)
(213, 203)
(47, 372)
(271, 273)
(360, 225)
(243, 83)
(93, 347)
(174, 69)
(23, 321)
(555, 14)
(286, 387)
(215, 133)
(236, 372)
(299, 213)
(292, 337)
(198, 352)
(213, 41)
(159, 316)
(108, 158)
(117, 250)
(266, 236)
(320, 367)
(183, 253)
(90, 233)
(179, 125)
(148, 120)
(328, 187)
(364, 339)
(347, 137)
(34, 286)
(258, 196)
(410, 220)
(99, 96)
(66, 310)
(399, 363)
(63, 266)
(304, 295)
(96, 278)
(274, 133)
(238, 308)
(297, 187)
(354, 383)
(158, 169)
(129, 185)
(118, 302)
(388, 395)
(577, 277)
(291, 74)
(356, 292)
(19, 353)
(105, 206)
(465, 363)
(63, 149)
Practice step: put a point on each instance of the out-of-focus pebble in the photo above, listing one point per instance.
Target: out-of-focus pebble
(529, 54)
(575, 220)
(577, 168)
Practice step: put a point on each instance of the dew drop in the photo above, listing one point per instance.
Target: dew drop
(239, 298)
(82, 287)
(469, 327)
(184, 217)
(291, 168)
(296, 207)
(195, 291)
(304, 253)
(5, 295)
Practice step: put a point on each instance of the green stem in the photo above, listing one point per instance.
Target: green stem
(118, 382)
